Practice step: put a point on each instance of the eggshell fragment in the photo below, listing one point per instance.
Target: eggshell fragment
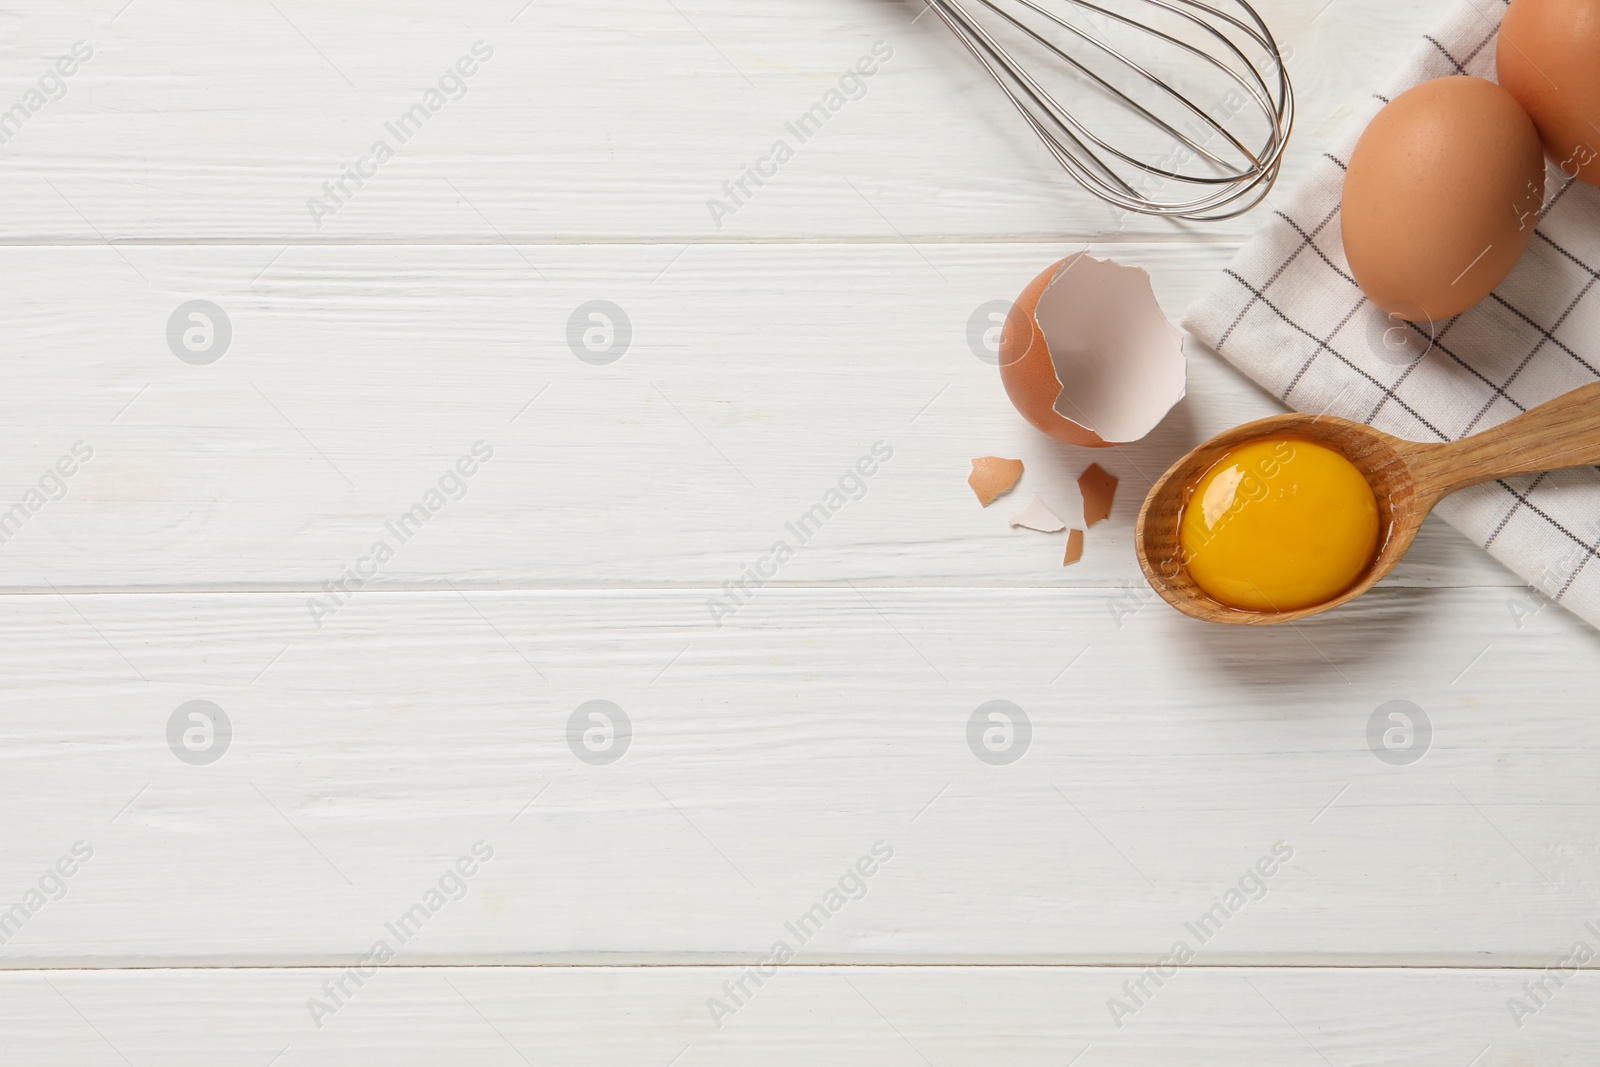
(992, 477)
(1098, 488)
(1074, 548)
(1087, 356)
(1038, 517)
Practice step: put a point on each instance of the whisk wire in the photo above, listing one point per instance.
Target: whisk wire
(1123, 176)
(978, 41)
(1056, 127)
(1061, 114)
(1131, 65)
(1199, 53)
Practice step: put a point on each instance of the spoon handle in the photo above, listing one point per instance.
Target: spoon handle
(1564, 432)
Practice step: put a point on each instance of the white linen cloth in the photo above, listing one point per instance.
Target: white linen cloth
(1287, 313)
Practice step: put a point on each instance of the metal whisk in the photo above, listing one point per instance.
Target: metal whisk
(1201, 139)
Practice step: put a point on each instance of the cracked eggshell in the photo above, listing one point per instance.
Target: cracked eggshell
(1087, 356)
(1036, 516)
(993, 477)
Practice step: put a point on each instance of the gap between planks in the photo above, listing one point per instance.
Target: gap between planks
(1103, 237)
(788, 967)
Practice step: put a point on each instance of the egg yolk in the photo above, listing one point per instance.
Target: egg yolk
(1279, 524)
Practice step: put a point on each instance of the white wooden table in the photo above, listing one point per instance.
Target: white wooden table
(227, 891)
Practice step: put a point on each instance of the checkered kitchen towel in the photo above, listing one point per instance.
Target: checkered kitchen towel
(1288, 314)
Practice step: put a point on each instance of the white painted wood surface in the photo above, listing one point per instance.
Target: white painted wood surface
(589, 123)
(768, 755)
(757, 377)
(804, 1015)
(373, 746)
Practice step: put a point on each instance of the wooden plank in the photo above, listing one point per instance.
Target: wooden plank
(1165, 759)
(801, 1015)
(377, 752)
(595, 125)
(758, 378)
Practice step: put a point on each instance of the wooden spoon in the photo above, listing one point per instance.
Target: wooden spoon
(1407, 477)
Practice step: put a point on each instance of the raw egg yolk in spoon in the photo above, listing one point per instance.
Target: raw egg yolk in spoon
(1279, 524)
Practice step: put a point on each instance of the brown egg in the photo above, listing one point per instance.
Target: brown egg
(1441, 197)
(1087, 356)
(1549, 59)
(1026, 370)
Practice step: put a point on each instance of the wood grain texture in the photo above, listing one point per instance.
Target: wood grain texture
(1563, 432)
(757, 378)
(611, 123)
(906, 1015)
(768, 755)
(374, 745)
